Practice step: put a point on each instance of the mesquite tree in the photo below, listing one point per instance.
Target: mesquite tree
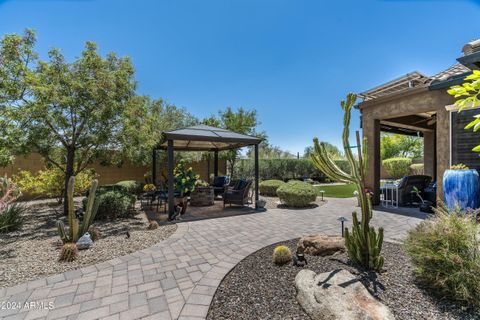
(363, 244)
(69, 112)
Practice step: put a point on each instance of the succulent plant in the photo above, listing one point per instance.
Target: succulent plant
(459, 166)
(363, 243)
(152, 225)
(282, 255)
(69, 252)
(77, 229)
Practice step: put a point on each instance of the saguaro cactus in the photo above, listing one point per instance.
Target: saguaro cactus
(363, 243)
(77, 229)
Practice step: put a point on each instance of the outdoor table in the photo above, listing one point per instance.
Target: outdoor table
(390, 195)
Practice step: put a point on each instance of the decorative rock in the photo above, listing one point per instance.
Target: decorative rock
(84, 242)
(321, 245)
(337, 295)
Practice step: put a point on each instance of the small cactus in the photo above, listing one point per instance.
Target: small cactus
(69, 252)
(282, 255)
(95, 233)
(152, 225)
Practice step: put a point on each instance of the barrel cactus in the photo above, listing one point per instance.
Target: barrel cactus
(69, 252)
(282, 255)
(363, 242)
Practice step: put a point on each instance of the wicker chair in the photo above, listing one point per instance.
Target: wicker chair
(238, 194)
(220, 185)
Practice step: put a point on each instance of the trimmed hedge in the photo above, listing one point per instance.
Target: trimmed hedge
(113, 204)
(283, 169)
(397, 167)
(131, 186)
(297, 194)
(269, 187)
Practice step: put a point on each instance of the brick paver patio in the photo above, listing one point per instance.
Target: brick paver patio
(177, 278)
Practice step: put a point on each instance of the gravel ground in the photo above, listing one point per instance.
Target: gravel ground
(258, 289)
(274, 203)
(32, 252)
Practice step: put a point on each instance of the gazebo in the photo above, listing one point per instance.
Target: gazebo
(201, 138)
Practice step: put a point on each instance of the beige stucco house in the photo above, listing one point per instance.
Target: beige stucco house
(416, 104)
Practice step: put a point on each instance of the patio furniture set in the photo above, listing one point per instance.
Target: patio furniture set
(402, 193)
(238, 193)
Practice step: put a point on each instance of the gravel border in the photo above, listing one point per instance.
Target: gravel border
(257, 289)
(32, 252)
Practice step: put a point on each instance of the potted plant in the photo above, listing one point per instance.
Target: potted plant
(184, 182)
(461, 187)
(425, 206)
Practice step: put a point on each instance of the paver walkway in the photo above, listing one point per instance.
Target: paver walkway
(177, 278)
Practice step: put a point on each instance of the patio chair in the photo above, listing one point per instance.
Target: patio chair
(406, 185)
(220, 185)
(238, 194)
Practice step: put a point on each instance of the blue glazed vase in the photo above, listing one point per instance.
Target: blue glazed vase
(461, 187)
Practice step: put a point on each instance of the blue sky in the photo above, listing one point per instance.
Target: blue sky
(292, 60)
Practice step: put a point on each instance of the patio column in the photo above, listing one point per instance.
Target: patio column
(170, 160)
(215, 163)
(429, 165)
(154, 167)
(371, 130)
(256, 176)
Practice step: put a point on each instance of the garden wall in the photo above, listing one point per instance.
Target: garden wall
(107, 174)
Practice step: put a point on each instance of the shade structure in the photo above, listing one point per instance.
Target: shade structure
(201, 138)
(206, 138)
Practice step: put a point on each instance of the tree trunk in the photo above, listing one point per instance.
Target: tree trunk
(68, 173)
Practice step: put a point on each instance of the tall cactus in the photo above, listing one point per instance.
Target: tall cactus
(363, 243)
(77, 229)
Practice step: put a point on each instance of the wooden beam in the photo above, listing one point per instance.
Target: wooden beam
(406, 126)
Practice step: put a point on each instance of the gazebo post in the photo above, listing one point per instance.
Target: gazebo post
(215, 163)
(256, 176)
(171, 200)
(154, 167)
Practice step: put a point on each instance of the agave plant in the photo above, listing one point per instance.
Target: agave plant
(363, 243)
(76, 228)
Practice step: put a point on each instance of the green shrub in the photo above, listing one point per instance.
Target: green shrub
(397, 167)
(416, 169)
(50, 183)
(131, 186)
(297, 194)
(269, 187)
(11, 219)
(283, 169)
(113, 204)
(445, 255)
(281, 255)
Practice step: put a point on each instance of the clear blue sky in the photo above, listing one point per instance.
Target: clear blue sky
(291, 60)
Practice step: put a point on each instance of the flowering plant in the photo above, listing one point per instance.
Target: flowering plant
(149, 187)
(185, 179)
(9, 192)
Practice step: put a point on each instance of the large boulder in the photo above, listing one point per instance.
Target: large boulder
(337, 295)
(321, 245)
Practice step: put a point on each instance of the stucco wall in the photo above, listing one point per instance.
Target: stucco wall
(416, 100)
(107, 174)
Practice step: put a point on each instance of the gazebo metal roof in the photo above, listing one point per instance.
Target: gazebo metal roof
(206, 138)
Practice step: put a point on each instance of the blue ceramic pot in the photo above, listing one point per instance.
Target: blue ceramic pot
(462, 187)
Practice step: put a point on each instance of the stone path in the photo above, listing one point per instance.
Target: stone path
(177, 278)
